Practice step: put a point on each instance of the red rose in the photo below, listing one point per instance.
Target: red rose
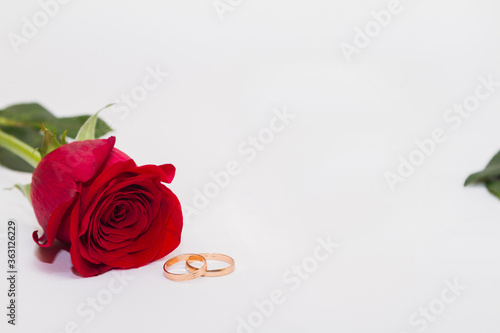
(113, 213)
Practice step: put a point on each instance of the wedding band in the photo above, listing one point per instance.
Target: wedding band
(192, 274)
(214, 272)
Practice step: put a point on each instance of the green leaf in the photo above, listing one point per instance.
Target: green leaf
(30, 113)
(25, 190)
(491, 172)
(494, 187)
(23, 122)
(73, 125)
(27, 118)
(88, 130)
(49, 142)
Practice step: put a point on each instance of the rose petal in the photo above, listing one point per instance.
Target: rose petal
(173, 228)
(55, 180)
(169, 171)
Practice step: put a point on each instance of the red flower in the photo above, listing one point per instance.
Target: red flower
(113, 213)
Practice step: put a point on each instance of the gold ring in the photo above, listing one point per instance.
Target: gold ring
(214, 272)
(192, 274)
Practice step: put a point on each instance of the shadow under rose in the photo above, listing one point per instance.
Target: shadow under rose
(56, 260)
(48, 254)
(73, 269)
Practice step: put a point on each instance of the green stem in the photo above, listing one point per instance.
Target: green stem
(19, 148)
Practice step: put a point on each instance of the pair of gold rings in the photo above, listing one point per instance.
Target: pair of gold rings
(195, 272)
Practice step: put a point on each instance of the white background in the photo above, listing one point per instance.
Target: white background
(323, 176)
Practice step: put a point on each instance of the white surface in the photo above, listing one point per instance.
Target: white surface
(322, 176)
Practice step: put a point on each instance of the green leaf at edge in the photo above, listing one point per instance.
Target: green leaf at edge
(491, 172)
(494, 187)
(87, 131)
(73, 125)
(25, 190)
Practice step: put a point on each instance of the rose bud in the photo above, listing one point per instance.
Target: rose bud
(112, 213)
